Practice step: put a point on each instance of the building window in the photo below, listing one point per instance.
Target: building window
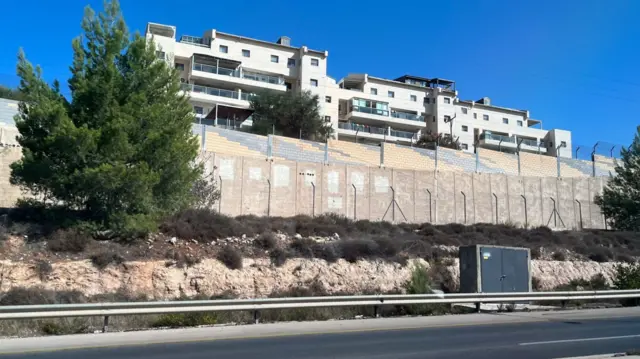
(327, 118)
(505, 120)
(288, 85)
(374, 91)
(519, 123)
(315, 62)
(464, 110)
(413, 98)
(314, 83)
(198, 110)
(447, 100)
(391, 94)
(485, 117)
(291, 62)
(160, 55)
(465, 128)
(180, 67)
(464, 146)
(275, 59)
(433, 119)
(563, 144)
(327, 99)
(475, 116)
(447, 118)
(246, 53)
(224, 49)
(426, 101)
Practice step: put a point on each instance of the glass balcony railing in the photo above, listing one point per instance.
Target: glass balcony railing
(402, 134)
(217, 92)
(407, 116)
(276, 80)
(373, 111)
(494, 137)
(529, 142)
(362, 128)
(194, 40)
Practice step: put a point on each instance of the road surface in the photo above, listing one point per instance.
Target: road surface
(515, 335)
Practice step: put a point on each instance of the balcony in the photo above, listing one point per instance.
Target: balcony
(240, 77)
(373, 111)
(194, 40)
(407, 116)
(348, 129)
(203, 93)
(510, 143)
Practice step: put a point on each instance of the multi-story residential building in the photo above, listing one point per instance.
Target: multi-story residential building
(222, 71)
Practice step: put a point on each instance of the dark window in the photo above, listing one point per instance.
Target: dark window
(246, 53)
(291, 63)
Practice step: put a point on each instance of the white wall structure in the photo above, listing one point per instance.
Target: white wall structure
(222, 71)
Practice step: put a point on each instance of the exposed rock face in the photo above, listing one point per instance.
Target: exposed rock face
(258, 278)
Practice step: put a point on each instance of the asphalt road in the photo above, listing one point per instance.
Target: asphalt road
(552, 336)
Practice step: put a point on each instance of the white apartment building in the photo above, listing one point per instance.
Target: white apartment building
(222, 71)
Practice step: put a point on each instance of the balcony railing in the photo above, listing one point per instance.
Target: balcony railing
(362, 128)
(373, 111)
(276, 80)
(194, 40)
(407, 116)
(494, 137)
(217, 92)
(528, 142)
(402, 134)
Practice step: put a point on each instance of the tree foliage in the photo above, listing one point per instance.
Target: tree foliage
(290, 114)
(430, 139)
(11, 94)
(121, 148)
(620, 200)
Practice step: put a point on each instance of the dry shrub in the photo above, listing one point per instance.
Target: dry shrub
(70, 241)
(105, 257)
(231, 257)
(267, 241)
(43, 269)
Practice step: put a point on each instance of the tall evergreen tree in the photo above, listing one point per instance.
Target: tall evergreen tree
(620, 200)
(121, 148)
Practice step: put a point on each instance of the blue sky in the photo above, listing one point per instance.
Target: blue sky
(574, 64)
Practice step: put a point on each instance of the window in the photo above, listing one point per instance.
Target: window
(180, 67)
(314, 83)
(246, 53)
(505, 120)
(426, 100)
(198, 110)
(160, 55)
(447, 118)
(485, 117)
(413, 98)
(464, 146)
(447, 100)
(374, 91)
(290, 62)
(465, 128)
(315, 62)
(563, 144)
(224, 49)
(464, 110)
(391, 94)
(519, 123)
(475, 116)
(327, 118)
(288, 85)
(275, 59)
(433, 119)
(327, 99)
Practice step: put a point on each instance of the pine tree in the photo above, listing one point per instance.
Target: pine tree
(620, 200)
(121, 149)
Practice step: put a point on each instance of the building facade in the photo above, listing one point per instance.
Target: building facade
(222, 71)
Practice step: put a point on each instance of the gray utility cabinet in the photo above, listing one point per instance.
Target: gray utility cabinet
(494, 269)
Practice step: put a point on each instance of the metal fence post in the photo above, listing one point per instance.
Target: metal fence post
(526, 219)
(355, 201)
(464, 199)
(430, 207)
(313, 200)
(496, 197)
(105, 324)
(269, 199)
(220, 198)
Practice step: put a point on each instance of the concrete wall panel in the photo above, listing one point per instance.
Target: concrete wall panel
(499, 188)
(484, 201)
(596, 185)
(333, 189)
(581, 194)
(446, 193)
(425, 211)
(358, 192)
(380, 182)
(533, 195)
(549, 195)
(256, 177)
(404, 186)
(566, 204)
(464, 198)
(284, 188)
(515, 187)
(309, 182)
(228, 171)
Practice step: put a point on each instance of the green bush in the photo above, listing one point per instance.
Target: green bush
(628, 277)
(178, 320)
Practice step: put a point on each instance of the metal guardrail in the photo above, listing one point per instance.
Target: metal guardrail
(164, 307)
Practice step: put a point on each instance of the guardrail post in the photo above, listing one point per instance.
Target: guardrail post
(256, 316)
(376, 311)
(478, 307)
(105, 325)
